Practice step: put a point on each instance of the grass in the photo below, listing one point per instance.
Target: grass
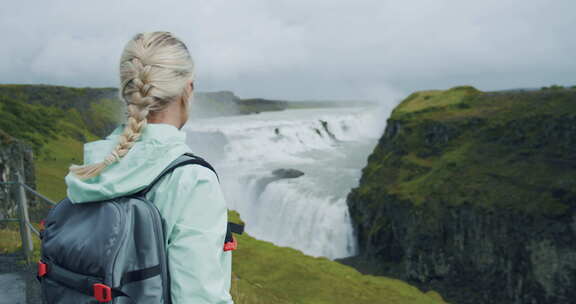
(429, 100)
(10, 241)
(286, 275)
(52, 168)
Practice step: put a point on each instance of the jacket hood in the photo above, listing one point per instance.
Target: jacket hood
(158, 145)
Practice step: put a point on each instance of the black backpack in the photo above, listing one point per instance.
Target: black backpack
(110, 251)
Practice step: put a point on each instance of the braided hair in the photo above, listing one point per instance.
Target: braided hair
(154, 70)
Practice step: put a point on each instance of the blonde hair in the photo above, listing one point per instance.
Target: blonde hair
(154, 70)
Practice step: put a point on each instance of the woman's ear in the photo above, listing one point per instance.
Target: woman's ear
(185, 103)
(189, 87)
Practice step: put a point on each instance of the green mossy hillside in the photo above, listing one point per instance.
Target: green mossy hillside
(512, 149)
(95, 109)
(56, 122)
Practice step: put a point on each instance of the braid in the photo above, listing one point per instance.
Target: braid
(153, 69)
(138, 109)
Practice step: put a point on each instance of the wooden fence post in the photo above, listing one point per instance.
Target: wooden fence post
(27, 245)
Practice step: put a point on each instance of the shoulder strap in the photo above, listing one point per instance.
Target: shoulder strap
(185, 159)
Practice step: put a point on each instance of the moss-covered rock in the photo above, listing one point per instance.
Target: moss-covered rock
(15, 156)
(473, 194)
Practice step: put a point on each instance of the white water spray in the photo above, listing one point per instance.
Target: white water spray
(288, 173)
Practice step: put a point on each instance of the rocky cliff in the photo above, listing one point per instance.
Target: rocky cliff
(473, 194)
(15, 156)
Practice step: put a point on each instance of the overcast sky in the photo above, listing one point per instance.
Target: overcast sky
(302, 49)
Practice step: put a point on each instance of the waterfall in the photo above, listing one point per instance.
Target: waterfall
(288, 172)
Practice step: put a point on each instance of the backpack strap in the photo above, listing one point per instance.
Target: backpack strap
(88, 285)
(230, 242)
(185, 159)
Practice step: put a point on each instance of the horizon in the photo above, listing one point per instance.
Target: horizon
(402, 97)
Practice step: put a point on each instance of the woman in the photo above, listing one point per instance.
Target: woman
(156, 74)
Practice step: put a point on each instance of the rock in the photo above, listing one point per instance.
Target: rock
(277, 174)
(15, 156)
(287, 173)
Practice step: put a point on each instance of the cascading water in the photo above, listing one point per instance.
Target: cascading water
(288, 173)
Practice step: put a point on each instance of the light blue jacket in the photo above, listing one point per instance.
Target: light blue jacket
(189, 198)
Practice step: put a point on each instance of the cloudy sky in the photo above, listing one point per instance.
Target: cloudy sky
(302, 49)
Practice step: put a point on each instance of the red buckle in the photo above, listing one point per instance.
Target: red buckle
(231, 245)
(102, 292)
(42, 269)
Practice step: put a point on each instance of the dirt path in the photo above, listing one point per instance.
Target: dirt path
(18, 284)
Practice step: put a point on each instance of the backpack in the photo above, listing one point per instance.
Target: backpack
(110, 251)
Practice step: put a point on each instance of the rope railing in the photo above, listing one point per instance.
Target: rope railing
(33, 229)
(44, 198)
(26, 227)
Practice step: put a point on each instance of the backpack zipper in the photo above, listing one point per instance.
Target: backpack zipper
(122, 218)
(156, 217)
